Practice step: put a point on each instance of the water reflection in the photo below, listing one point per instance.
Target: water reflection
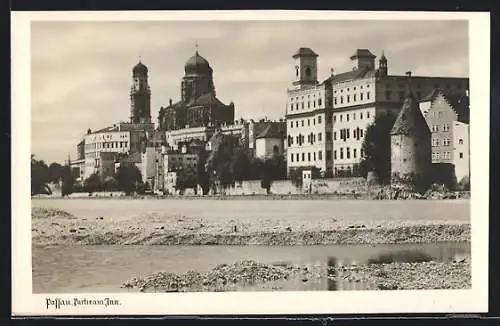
(331, 263)
(403, 256)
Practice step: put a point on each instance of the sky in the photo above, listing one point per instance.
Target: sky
(81, 72)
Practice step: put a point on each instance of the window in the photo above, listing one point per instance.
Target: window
(341, 118)
(347, 117)
(446, 127)
(302, 123)
(348, 152)
(341, 153)
(297, 123)
(335, 100)
(319, 136)
(314, 121)
(334, 118)
(291, 124)
(440, 114)
(309, 157)
(334, 135)
(435, 128)
(348, 98)
(367, 95)
(291, 157)
(320, 155)
(435, 142)
(335, 154)
(354, 97)
(361, 96)
(362, 152)
(296, 106)
(354, 152)
(297, 156)
(308, 105)
(302, 105)
(348, 133)
(314, 156)
(460, 141)
(308, 122)
(341, 100)
(361, 133)
(446, 142)
(126, 144)
(303, 157)
(461, 155)
(319, 102)
(314, 103)
(291, 107)
(297, 71)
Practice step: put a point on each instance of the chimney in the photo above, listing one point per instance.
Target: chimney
(170, 102)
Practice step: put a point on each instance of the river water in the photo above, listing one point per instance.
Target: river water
(89, 269)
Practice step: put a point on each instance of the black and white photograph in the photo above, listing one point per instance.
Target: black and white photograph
(239, 158)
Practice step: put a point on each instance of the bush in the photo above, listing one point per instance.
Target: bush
(464, 184)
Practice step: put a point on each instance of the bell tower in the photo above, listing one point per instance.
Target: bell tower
(140, 95)
(382, 65)
(306, 67)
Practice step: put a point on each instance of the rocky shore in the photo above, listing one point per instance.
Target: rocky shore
(251, 275)
(56, 227)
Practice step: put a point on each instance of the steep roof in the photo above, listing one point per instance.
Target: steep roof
(410, 120)
(362, 53)
(271, 131)
(364, 72)
(304, 52)
(458, 102)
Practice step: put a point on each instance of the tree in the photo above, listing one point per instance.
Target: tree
(56, 172)
(240, 164)
(92, 183)
(186, 178)
(202, 177)
(219, 162)
(128, 177)
(67, 180)
(377, 147)
(110, 183)
(39, 176)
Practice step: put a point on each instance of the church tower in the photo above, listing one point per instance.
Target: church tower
(140, 95)
(382, 66)
(306, 67)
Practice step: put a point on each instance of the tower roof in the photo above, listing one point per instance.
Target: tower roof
(140, 69)
(383, 58)
(197, 65)
(304, 52)
(362, 53)
(410, 120)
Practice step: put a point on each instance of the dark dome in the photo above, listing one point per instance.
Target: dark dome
(197, 65)
(140, 69)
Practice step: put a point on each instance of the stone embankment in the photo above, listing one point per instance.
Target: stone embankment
(56, 227)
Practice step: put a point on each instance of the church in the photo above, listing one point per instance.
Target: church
(199, 105)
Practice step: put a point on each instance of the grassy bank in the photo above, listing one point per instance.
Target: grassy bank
(56, 227)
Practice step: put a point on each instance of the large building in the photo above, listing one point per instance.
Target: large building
(448, 119)
(199, 106)
(327, 121)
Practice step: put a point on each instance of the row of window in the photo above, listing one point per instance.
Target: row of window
(348, 98)
(308, 122)
(345, 134)
(348, 89)
(311, 138)
(343, 153)
(348, 116)
(302, 105)
(113, 144)
(445, 156)
(446, 142)
(444, 127)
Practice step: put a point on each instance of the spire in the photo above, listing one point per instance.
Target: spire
(382, 57)
(196, 46)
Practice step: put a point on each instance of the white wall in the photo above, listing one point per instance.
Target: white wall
(264, 147)
(461, 147)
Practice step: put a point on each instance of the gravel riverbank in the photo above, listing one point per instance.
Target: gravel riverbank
(251, 275)
(57, 227)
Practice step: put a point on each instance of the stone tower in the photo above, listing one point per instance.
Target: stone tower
(410, 144)
(140, 95)
(306, 67)
(382, 66)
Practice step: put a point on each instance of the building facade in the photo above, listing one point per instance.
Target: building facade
(269, 143)
(199, 105)
(448, 119)
(345, 104)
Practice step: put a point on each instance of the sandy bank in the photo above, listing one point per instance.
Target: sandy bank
(55, 227)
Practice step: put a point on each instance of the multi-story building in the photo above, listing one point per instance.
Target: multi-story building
(345, 105)
(448, 119)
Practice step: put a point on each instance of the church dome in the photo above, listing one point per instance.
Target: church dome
(197, 65)
(140, 69)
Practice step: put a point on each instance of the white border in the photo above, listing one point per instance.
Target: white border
(453, 301)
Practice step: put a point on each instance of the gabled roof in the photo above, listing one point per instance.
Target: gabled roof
(304, 52)
(458, 102)
(410, 120)
(271, 131)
